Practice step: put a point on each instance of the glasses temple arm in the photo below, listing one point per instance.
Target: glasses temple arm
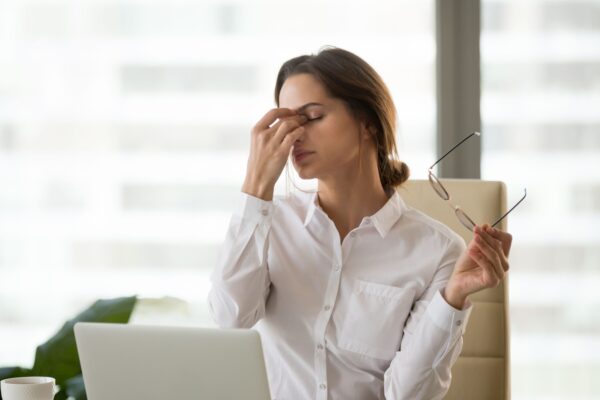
(450, 151)
(512, 208)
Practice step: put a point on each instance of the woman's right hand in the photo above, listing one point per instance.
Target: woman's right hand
(270, 148)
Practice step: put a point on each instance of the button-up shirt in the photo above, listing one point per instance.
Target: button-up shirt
(358, 318)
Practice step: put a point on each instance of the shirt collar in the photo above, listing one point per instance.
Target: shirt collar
(382, 220)
(389, 214)
(312, 206)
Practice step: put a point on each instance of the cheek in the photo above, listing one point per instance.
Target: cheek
(337, 142)
(334, 150)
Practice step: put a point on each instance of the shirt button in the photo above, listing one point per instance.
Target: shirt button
(322, 386)
(367, 221)
(458, 323)
(337, 267)
(327, 308)
(264, 212)
(320, 346)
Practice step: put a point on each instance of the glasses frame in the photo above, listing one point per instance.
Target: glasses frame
(441, 191)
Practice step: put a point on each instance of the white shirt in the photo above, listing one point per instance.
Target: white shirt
(362, 319)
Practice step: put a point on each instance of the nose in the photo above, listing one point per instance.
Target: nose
(301, 137)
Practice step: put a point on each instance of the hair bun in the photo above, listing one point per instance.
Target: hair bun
(398, 173)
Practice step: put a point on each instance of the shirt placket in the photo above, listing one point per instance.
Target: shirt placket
(333, 284)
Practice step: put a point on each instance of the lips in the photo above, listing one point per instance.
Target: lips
(299, 155)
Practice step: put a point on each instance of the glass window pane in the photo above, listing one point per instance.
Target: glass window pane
(540, 96)
(124, 136)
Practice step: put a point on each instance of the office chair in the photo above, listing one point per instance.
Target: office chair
(482, 371)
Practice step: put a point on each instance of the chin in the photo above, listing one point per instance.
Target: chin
(304, 172)
(306, 176)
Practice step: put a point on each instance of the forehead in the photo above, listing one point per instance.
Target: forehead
(302, 89)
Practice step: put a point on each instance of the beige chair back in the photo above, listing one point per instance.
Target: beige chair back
(482, 371)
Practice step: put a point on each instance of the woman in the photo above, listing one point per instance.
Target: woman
(355, 294)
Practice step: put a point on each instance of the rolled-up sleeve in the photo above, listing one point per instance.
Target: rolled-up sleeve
(240, 280)
(432, 339)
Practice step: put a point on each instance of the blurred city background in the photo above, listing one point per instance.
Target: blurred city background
(124, 136)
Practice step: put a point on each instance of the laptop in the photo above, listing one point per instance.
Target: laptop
(131, 362)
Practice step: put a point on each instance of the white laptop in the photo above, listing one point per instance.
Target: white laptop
(131, 362)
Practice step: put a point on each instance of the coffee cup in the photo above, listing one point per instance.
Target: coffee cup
(28, 388)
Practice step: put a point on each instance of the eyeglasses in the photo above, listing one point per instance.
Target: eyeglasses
(464, 219)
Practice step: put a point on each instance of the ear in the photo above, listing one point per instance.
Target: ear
(367, 131)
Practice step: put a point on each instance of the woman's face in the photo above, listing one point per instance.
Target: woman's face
(331, 135)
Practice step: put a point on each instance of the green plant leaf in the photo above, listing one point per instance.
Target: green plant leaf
(58, 357)
(13, 372)
(75, 388)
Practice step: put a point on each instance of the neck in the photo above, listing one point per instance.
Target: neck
(348, 201)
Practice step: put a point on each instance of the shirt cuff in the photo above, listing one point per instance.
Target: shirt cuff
(447, 317)
(254, 208)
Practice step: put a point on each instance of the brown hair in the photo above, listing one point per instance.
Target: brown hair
(349, 78)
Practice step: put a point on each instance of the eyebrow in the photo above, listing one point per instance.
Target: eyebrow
(300, 109)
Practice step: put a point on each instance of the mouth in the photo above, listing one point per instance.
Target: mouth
(302, 155)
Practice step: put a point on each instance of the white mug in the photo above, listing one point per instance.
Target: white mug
(28, 388)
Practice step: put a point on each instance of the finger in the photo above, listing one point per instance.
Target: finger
(290, 139)
(504, 237)
(270, 117)
(301, 118)
(495, 243)
(491, 258)
(493, 249)
(491, 278)
(498, 245)
(491, 254)
(497, 233)
(282, 128)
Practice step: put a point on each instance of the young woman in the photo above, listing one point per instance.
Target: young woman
(355, 294)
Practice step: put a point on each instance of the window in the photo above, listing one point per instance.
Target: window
(540, 91)
(124, 136)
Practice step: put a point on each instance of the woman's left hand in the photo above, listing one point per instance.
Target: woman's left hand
(483, 265)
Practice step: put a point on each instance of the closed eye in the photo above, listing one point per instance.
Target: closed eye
(314, 119)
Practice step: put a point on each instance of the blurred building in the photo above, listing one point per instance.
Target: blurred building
(541, 124)
(124, 136)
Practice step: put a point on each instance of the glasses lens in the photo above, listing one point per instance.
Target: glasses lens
(438, 187)
(464, 219)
